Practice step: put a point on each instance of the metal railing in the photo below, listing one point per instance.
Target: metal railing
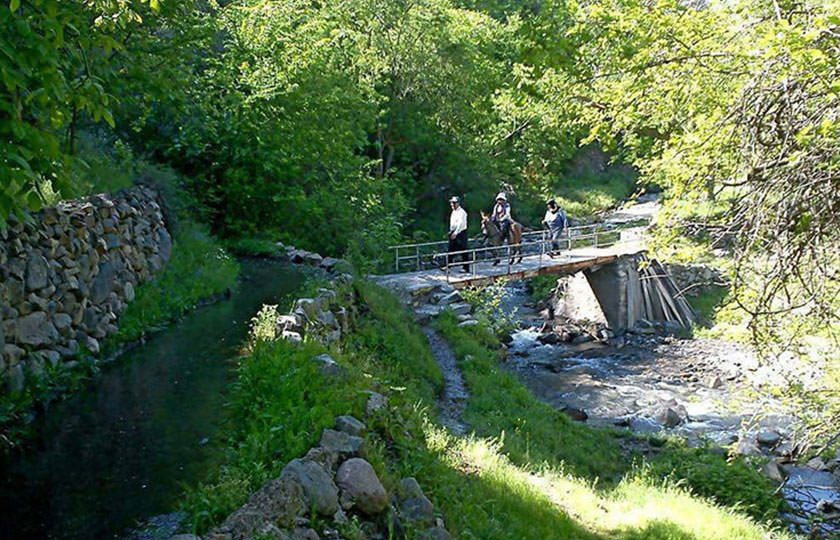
(431, 255)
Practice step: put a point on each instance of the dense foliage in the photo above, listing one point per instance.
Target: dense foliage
(342, 126)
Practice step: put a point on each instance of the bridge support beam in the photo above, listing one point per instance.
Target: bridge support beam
(618, 290)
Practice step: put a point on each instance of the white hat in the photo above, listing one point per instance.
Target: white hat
(502, 196)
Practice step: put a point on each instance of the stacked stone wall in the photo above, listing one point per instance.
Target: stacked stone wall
(68, 273)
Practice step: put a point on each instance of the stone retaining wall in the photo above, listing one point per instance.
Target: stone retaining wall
(66, 276)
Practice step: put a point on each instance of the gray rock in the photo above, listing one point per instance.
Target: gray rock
(325, 457)
(185, 537)
(92, 344)
(62, 321)
(308, 307)
(375, 403)
(350, 425)
(344, 444)
(670, 417)
(36, 329)
(327, 365)
(37, 272)
(768, 438)
(318, 487)
(450, 298)
(468, 323)
(409, 488)
(128, 291)
(417, 510)
(103, 283)
(327, 318)
(359, 483)
(164, 244)
(774, 471)
(278, 501)
(13, 353)
(461, 308)
(817, 464)
(435, 533)
(311, 258)
(289, 322)
(294, 337)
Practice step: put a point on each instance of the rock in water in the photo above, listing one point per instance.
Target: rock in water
(768, 438)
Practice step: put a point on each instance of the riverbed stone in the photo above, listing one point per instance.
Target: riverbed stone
(318, 487)
(361, 487)
(670, 417)
(774, 471)
(768, 438)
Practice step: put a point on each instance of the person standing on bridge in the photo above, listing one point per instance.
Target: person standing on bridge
(501, 215)
(458, 231)
(555, 220)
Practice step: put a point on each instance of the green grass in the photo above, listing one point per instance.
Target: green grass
(542, 287)
(199, 268)
(527, 472)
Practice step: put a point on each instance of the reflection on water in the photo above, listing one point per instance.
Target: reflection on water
(120, 451)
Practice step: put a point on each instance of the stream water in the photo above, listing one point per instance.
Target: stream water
(120, 451)
(699, 390)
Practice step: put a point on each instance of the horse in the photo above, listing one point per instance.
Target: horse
(493, 236)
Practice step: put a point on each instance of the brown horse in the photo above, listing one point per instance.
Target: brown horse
(493, 237)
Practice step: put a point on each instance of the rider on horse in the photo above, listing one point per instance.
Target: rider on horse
(501, 215)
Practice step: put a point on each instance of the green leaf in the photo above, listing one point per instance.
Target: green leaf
(154, 4)
(14, 5)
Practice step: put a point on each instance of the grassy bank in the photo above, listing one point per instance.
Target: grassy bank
(526, 472)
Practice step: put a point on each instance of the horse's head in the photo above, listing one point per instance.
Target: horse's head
(488, 228)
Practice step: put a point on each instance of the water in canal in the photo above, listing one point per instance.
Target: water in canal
(121, 450)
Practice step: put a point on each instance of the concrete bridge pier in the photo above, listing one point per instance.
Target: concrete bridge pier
(618, 289)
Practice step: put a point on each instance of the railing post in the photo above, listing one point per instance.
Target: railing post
(417, 256)
(475, 261)
(397, 260)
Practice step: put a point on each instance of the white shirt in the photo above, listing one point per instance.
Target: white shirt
(457, 220)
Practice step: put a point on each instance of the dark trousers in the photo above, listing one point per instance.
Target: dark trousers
(555, 234)
(459, 243)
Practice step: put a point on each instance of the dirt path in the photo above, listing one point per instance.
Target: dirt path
(454, 398)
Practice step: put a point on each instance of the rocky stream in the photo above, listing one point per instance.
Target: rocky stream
(708, 392)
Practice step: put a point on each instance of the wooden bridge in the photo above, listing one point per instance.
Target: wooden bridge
(628, 287)
(578, 249)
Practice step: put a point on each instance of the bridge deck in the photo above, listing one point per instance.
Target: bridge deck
(567, 262)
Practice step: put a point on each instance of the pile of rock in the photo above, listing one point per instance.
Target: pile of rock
(324, 317)
(66, 275)
(318, 495)
(310, 258)
(695, 279)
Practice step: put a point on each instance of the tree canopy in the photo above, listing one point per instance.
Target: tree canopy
(344, 125)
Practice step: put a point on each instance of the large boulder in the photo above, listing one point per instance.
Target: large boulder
(361, 487)
(36, 329)
(318, 487)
